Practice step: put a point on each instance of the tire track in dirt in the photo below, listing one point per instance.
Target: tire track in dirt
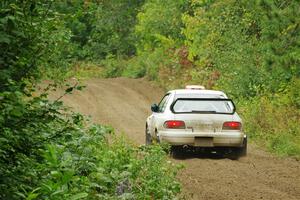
(125, 103)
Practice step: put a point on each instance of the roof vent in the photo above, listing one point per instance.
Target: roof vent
(195, 87)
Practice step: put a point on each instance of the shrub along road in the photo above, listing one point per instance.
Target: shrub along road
(125, 103)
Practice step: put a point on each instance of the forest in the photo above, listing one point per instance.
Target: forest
(249, 49)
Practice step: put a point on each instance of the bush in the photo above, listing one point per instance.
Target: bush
(135, 68)
(113, 66)
(272, 124)
(159, 21)
(49, 152)
(33, 38)
(112, 29)
(83, 70)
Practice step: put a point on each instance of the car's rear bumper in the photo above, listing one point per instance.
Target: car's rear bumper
(203, 139)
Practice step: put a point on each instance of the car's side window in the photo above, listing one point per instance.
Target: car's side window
(163, 103)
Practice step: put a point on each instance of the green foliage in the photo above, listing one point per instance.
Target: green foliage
(49, 152)
(31, 36)
(113, 66)
(159, 21)
(135, 68)
(26, 127)
(273, 124)
(247, 42)
(79, 19)
(160, 46)
(113, 25)
(84, 70)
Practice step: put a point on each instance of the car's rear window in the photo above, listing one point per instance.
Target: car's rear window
(198, 105)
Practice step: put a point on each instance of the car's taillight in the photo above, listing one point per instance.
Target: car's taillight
(174, 124)
(232, 126)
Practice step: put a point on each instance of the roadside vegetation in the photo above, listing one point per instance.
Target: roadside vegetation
(46, 150)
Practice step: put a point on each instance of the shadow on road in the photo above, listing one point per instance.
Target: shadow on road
(185, 155)
(199, 155)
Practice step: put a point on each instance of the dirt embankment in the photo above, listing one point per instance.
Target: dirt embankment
(125, 104)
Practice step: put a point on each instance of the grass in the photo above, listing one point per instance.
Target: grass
(272, 125)
(84, 70)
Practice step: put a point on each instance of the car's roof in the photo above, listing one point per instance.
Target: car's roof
(200, 92)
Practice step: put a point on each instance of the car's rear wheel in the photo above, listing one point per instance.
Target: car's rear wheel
(243, 150)
(148, 136)
(176, 151)
(236, 153)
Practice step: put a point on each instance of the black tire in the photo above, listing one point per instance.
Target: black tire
(148, 137)
(236, 153)
(176, 151)
(243, 150)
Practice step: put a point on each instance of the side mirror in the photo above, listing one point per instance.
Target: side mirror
(154, 108)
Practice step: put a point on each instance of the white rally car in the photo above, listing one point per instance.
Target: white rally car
(196, 118)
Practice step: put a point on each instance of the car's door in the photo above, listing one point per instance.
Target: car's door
(157, 116)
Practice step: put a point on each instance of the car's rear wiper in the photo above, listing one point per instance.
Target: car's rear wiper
(203, 111)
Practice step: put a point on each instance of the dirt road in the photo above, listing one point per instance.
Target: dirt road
(125, 104)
